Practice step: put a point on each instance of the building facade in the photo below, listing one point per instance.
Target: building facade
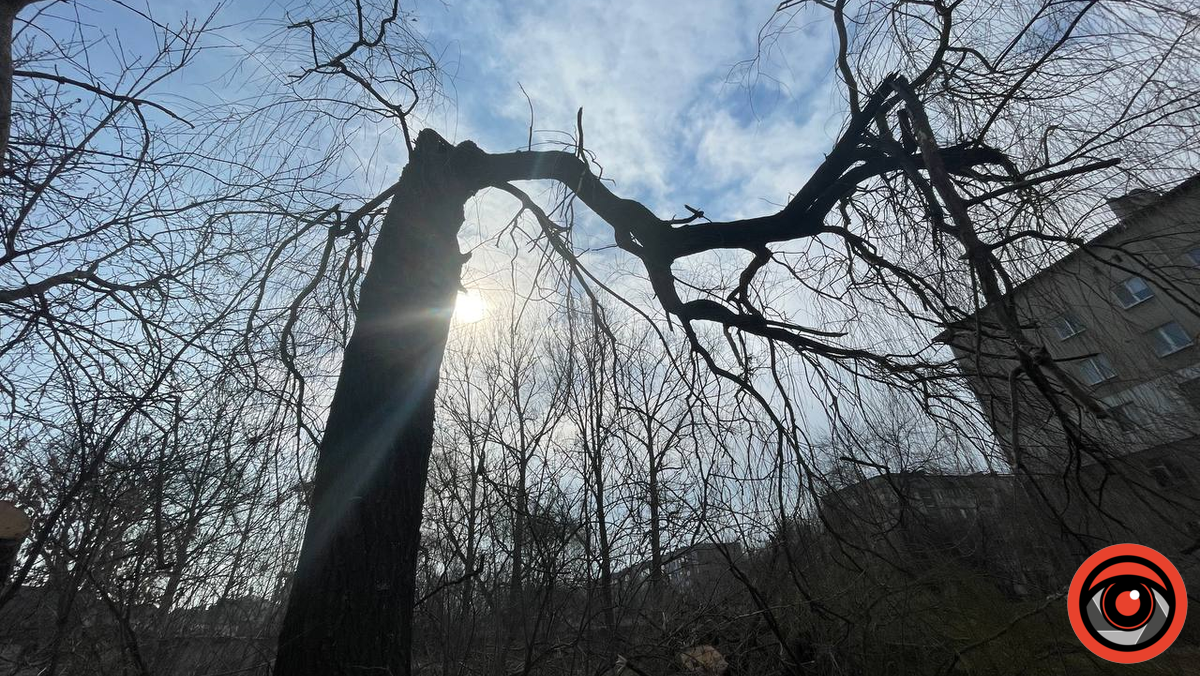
(1119, 318)
(917, 518)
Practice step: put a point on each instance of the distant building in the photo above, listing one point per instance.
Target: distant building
(237, 617)
(233, 635)
(976, 520)
(703, 565)
(703, 568)
(1121, 316)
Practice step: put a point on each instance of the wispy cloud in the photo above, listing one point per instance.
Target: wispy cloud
(664, 109)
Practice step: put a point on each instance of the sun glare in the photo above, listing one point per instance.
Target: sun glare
(469, 307)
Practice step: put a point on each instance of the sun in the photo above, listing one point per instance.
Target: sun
(470, 307)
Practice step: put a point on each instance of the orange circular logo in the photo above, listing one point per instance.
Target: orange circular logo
(1127, 603)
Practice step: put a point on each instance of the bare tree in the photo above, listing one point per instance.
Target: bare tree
(152, 247)
(152, 244)
(931, 154)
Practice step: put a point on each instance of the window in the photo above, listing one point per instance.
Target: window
(1133, 291)
(1169, 338)
(1066, 325)
(1096, 369)
(1167, 473)
(1127, 416)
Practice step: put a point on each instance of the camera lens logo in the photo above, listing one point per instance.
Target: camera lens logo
(1127, 603)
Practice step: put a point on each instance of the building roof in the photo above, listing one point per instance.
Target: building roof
(892, 479)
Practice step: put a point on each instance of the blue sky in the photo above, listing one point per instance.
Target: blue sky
(682, 102)
(672, 109)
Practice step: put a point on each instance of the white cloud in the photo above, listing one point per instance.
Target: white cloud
(752, 168)
(651, 78)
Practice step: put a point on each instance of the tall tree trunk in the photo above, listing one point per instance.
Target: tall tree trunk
(350, 609)
(605, 545)
(656, 553)
(468, 588)
(8, 14)
(514, 605)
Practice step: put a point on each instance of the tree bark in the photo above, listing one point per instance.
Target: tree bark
(656, 553)
(8, 15)
(350, 609)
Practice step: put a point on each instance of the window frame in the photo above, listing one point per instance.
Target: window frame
(1097, 358)
(1069, 320)
(1123, 285)
(1157, 337)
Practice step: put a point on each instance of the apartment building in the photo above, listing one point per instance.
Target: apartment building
(979, 521)
(1120, 316)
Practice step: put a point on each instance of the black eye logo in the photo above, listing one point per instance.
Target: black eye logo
(1127, 603)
